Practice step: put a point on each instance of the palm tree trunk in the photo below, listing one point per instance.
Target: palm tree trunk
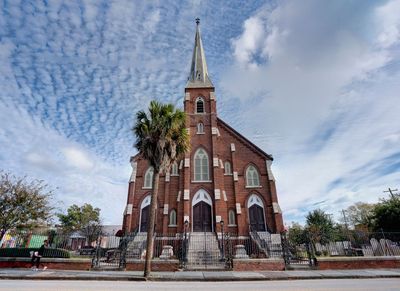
(151, 225)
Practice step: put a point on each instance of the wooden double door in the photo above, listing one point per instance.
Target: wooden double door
(257, 221)
(144, 218)
(202, 217)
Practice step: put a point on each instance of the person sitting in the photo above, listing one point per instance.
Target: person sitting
(37, 255)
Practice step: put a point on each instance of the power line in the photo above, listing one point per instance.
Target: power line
(391, 192)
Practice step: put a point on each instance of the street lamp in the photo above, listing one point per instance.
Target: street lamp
(222, 240)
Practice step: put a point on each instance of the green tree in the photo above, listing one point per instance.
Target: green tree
(84, 219)
(297, 234)
(360, 213)
(161, 138)
(23, 203)
(386, 214)
(320, 226)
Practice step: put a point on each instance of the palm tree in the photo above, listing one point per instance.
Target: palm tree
(161, 138)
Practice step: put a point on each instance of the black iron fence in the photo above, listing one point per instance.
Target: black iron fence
(358, 243)
(196, 249)
(19, 243)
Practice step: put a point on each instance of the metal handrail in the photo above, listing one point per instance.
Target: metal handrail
(260, 242)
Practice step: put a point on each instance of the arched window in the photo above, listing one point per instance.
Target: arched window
(148, 178)
(231, 217)
(199, 105)
(201, 166)
(200, 128)
(228, 169)
(252, 178)
(174, 169)
(172, 218)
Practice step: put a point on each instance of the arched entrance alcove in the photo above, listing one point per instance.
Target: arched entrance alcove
(256, 213)
(202, 212)
(144, 213)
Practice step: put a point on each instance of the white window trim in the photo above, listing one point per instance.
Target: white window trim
(144, 179)
(206, 181)
(208, 165)
(172, 225)
(232, 225)
(169, 216)
(246, 177)
(197, 126)
(177, 169)
(253, 187)
(204, 106)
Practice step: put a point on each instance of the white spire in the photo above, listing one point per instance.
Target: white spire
(198, 76)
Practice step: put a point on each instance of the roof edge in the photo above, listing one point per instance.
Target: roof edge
(260, 151)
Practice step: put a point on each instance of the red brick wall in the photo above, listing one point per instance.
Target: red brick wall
(258, 265)
(170, 265)
(359, 263)
(216, 146)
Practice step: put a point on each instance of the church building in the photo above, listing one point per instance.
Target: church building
(224, 181)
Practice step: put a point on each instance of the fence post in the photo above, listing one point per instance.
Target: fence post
(285, 250)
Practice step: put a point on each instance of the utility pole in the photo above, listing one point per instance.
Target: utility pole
(391, 192)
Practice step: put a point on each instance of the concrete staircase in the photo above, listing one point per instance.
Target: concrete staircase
(269, 243)
(203, 252)
(137, 247)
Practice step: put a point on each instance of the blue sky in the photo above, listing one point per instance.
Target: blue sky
(314, 83)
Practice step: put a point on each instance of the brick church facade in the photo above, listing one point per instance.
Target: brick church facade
(224, 177)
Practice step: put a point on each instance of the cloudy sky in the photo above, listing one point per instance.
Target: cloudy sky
(314, 83)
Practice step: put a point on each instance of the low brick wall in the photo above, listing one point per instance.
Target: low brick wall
(51, 263)
(358, 263)
(156, 265)
(258, 265)
(85, 264)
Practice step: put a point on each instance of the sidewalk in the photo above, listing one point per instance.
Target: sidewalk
(27, 274)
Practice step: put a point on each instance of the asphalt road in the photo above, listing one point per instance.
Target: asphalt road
(388, 284)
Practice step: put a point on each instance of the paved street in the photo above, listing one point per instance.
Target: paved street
(387, 284)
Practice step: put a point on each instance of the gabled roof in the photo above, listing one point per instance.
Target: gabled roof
(244, 140)
(198, 76)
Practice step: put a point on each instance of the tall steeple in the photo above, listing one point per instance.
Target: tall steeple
(198, 77)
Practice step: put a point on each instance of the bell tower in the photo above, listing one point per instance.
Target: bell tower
(201, 121)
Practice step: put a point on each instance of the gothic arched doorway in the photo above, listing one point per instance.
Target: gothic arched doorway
(144, 214)
(202, 212)
(256, 213)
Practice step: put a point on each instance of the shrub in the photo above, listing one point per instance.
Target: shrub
(25, 253)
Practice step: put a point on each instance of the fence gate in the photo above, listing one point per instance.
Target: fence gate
(296, 256)
(112, 258)
(205, 251)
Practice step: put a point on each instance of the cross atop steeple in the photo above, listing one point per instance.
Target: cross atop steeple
(198, 77)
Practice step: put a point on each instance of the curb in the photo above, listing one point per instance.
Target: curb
(212, 279)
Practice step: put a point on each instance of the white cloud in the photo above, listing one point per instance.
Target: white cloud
(317, 94)
(77, 158)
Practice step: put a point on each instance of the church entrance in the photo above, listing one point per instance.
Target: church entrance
(202, 217)
(202, 212)
(144, 219)
(144, 214)
(256, 214)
